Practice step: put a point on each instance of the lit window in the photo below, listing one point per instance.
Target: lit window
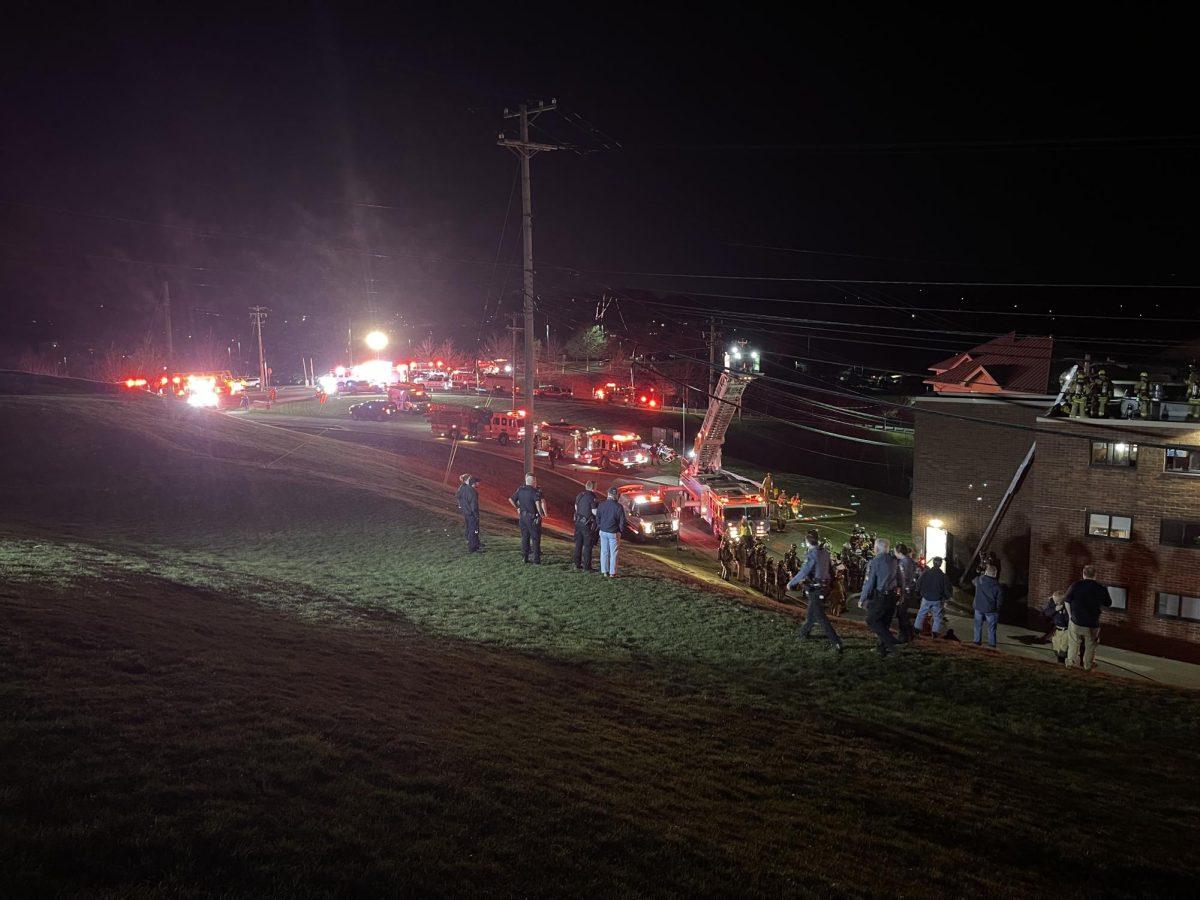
(1178, 606)
(1109, 526)
(1180, 460)
(1114, 453)
(1119, 597)
(1178, 533)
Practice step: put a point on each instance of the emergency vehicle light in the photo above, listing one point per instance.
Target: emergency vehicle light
(654, 403)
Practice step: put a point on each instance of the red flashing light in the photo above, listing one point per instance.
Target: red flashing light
(654, 403)
(129, 382)
(163, 380)
(439, 363)
(599, 393)
(643, 398)
(521, 413)
(176, 380)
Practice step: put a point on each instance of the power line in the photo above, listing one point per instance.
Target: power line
(812, 280)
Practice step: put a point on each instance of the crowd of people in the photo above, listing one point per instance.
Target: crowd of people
(887, 579)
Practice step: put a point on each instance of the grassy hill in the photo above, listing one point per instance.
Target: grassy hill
(243, 660)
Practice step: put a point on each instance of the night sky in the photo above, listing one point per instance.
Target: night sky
(339, 164)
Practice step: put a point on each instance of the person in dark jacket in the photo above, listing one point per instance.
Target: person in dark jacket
(935, 589)
(906, 578)
(988, 598)
(816, 575)
(879, 594)
(468, 504)
(1059, 614)
(610, 519)
(1085, 598)
(586, 502)
(527, 501)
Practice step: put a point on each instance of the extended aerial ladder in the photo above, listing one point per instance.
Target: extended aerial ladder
(741, 367)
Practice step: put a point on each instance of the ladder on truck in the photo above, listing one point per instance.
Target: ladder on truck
(741, 367)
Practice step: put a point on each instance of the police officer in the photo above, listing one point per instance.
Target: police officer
(586, 531)
(527, 501)
(815, 576)
(468, 504)
(878, 595)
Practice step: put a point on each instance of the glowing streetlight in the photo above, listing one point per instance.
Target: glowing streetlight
(376, 340)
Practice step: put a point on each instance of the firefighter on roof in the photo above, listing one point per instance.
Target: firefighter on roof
(1192, 391)
(1101, 395)
(1141, 390)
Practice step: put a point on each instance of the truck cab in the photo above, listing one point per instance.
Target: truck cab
(648, 514)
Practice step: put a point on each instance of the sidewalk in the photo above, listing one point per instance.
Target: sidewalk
(1023, 642)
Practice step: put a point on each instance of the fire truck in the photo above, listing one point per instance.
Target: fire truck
(409, 397)
(575, 440)
(457, 422)
(506, 427)
(649, 516)
(724, 502)
(615, 452)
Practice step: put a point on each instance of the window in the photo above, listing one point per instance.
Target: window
(1178, 606)
(1184, 461)
(1114, 453)
(1119, 597)
(1178, 533)
(1109, 526)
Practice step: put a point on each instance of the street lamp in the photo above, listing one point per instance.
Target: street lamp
(376, 340)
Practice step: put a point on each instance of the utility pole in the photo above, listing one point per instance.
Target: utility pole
(258, 315)
(526, 149)
(514, 328)
(167, 316)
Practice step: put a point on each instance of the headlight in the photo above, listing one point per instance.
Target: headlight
(648, 527)
(674, 524)
(640, 458)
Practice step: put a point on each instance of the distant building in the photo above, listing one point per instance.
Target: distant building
(1001, 468)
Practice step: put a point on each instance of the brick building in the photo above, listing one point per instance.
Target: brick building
(1054, 493)
(965, 461)
(973, 439)
(1124, 496)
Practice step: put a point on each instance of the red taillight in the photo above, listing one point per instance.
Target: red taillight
(654, 403)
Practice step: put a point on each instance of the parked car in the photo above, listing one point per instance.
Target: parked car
(551, 391)
(373, 411)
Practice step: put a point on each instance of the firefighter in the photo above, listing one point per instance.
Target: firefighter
(739, 559)
(752, 563)
(724, 558)
(1141, 390)
(1102, 395)
(1079, 398)
(527, 501)
(815, 576)
(746, 531)
(797, 504)
(791, 559)
(1192, 392)
(782, 577)
(468, 505)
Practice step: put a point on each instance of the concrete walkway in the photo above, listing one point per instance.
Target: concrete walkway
(1024, 642)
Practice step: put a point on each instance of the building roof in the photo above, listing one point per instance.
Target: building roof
(1005, 365)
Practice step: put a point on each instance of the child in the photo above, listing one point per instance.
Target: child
(1060, 615)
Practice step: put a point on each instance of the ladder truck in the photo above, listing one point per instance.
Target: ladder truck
(721, 499)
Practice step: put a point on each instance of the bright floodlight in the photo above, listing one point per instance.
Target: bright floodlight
(376, 340)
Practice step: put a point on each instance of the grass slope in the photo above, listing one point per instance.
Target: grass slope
(245, 661)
